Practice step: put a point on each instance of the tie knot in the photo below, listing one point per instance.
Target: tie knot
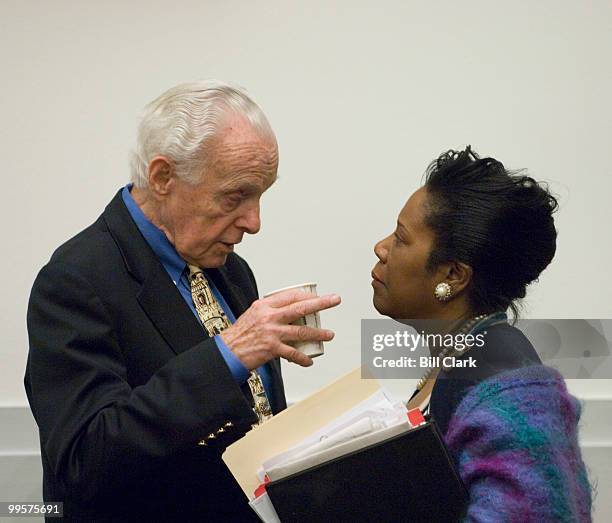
(194, 271)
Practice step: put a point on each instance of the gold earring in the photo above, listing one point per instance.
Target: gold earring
(443, 291)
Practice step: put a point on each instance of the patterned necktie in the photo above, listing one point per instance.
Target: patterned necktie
(215, 321)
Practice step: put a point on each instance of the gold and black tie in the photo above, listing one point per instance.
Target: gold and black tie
(215, 321)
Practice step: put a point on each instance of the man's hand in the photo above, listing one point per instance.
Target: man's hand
(259, 335)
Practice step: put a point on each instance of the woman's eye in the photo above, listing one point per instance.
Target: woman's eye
(397, 239)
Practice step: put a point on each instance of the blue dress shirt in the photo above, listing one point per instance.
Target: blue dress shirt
(178, 271)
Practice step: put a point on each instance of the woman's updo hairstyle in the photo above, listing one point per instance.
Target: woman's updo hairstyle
(498, 222)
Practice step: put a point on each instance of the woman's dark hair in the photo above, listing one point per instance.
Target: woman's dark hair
(498, 222)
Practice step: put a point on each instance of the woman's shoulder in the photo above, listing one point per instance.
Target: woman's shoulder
(519, 378)
(514, 437)
(505, 348)
(531, 400)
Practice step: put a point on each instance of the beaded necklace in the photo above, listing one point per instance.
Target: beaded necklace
(467, 327)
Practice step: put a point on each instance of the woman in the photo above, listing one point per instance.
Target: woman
(465, 248)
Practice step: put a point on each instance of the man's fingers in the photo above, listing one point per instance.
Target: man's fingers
(304, 333)
(286, 297)
(298, 309)
(294, 355)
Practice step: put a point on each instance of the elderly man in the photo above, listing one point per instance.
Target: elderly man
(149, 350)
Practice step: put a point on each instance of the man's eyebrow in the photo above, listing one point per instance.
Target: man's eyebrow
(242, 186)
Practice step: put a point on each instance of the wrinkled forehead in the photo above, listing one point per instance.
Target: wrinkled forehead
(235, 127)
(247, 183)
(236, 132)
(241, 155)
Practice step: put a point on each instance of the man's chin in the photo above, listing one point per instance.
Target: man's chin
(215, 262)
(212, 261)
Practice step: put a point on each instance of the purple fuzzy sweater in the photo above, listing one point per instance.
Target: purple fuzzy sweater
(514, 438)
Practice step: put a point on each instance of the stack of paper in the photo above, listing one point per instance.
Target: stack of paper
(350, 414)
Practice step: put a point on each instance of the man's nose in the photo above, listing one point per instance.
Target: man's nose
(249, 220)
(381, 251)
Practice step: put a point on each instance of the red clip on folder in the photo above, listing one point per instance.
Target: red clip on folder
(415, 417)
(262, 488)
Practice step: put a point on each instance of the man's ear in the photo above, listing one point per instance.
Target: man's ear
(459, 276)
(161, 174)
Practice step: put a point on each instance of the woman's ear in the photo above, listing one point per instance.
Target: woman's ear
(459, 276)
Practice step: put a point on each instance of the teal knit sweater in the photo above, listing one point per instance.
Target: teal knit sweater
(514, 438)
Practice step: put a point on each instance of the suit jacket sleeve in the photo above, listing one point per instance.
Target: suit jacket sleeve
(98, 432)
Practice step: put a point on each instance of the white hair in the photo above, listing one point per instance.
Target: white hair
(179, 123)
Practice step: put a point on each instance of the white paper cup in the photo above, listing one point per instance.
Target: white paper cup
(310, 348)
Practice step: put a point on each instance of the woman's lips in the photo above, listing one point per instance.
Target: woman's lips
(376, 279)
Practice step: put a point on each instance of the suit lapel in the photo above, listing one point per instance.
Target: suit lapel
(158, 296)
(279, 401)
(232, 294)
(167, 309)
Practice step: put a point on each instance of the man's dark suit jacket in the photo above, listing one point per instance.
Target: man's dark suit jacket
(123, 382)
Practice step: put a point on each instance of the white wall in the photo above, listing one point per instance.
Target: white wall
(362, 95)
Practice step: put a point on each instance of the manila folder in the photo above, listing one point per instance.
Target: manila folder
(288, 428)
